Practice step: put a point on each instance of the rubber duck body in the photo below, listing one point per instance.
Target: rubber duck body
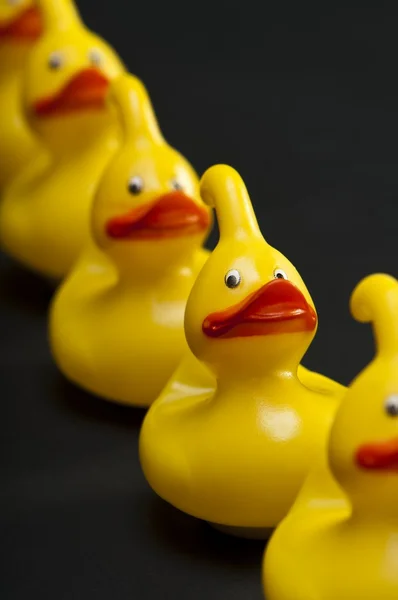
(192, 378)
(340, 538)
(44, 217)
(237, 456)
(20, 26)
(149, 222)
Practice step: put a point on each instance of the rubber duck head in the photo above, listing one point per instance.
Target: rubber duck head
(20, 22)
(249, 310)
(363, 445)
(148, 213)
(68, 71)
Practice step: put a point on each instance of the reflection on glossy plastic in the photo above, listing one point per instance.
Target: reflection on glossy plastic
(340, 538)
(44, 216)
(20, 26)
(235, 431)
(117, 321)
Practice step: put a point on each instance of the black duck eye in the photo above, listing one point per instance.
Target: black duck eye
(232, 278)
(135, 185)
(95, 57)
(55, 61)
(391, 405)
(176, 185)
(280, 274)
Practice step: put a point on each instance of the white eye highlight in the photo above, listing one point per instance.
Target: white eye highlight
(95, 57)
(135, 185)
(55, 60)
(280, 274)
(232, 278)
(176, 185)
(391, 405)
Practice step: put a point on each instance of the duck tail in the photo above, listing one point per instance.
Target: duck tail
(375, 300)
(223, 189)
(59, 14)
(135, 108)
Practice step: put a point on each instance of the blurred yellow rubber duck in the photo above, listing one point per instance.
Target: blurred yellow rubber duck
(238, 455)
(20, 26)
(340, 540)
(118, 331)
(44, 216)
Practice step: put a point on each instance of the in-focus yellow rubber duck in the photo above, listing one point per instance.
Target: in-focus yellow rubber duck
(237, 456)
(118, 330)
(340, 540)
(20, 26)
(44, 216)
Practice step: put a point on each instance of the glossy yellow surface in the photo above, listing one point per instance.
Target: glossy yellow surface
(117, 327)
(192, 378)
(237, 455)
(44, 216)
(16, 39)
(340, 540)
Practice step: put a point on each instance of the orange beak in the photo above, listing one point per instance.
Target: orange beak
(277, 307)
(381, 456)
(26, 26)
(85, 91)
(172, 215)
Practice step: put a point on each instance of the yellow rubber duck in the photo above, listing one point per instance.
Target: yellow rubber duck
(340, 540)
(44, 216)
(118, 331)
(237, 456)
(20, 26)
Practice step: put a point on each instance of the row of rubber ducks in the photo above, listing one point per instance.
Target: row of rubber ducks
(238, 432)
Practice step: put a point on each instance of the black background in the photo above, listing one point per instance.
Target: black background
(303, 102)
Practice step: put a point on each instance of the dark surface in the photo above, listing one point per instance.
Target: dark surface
(304, 105)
